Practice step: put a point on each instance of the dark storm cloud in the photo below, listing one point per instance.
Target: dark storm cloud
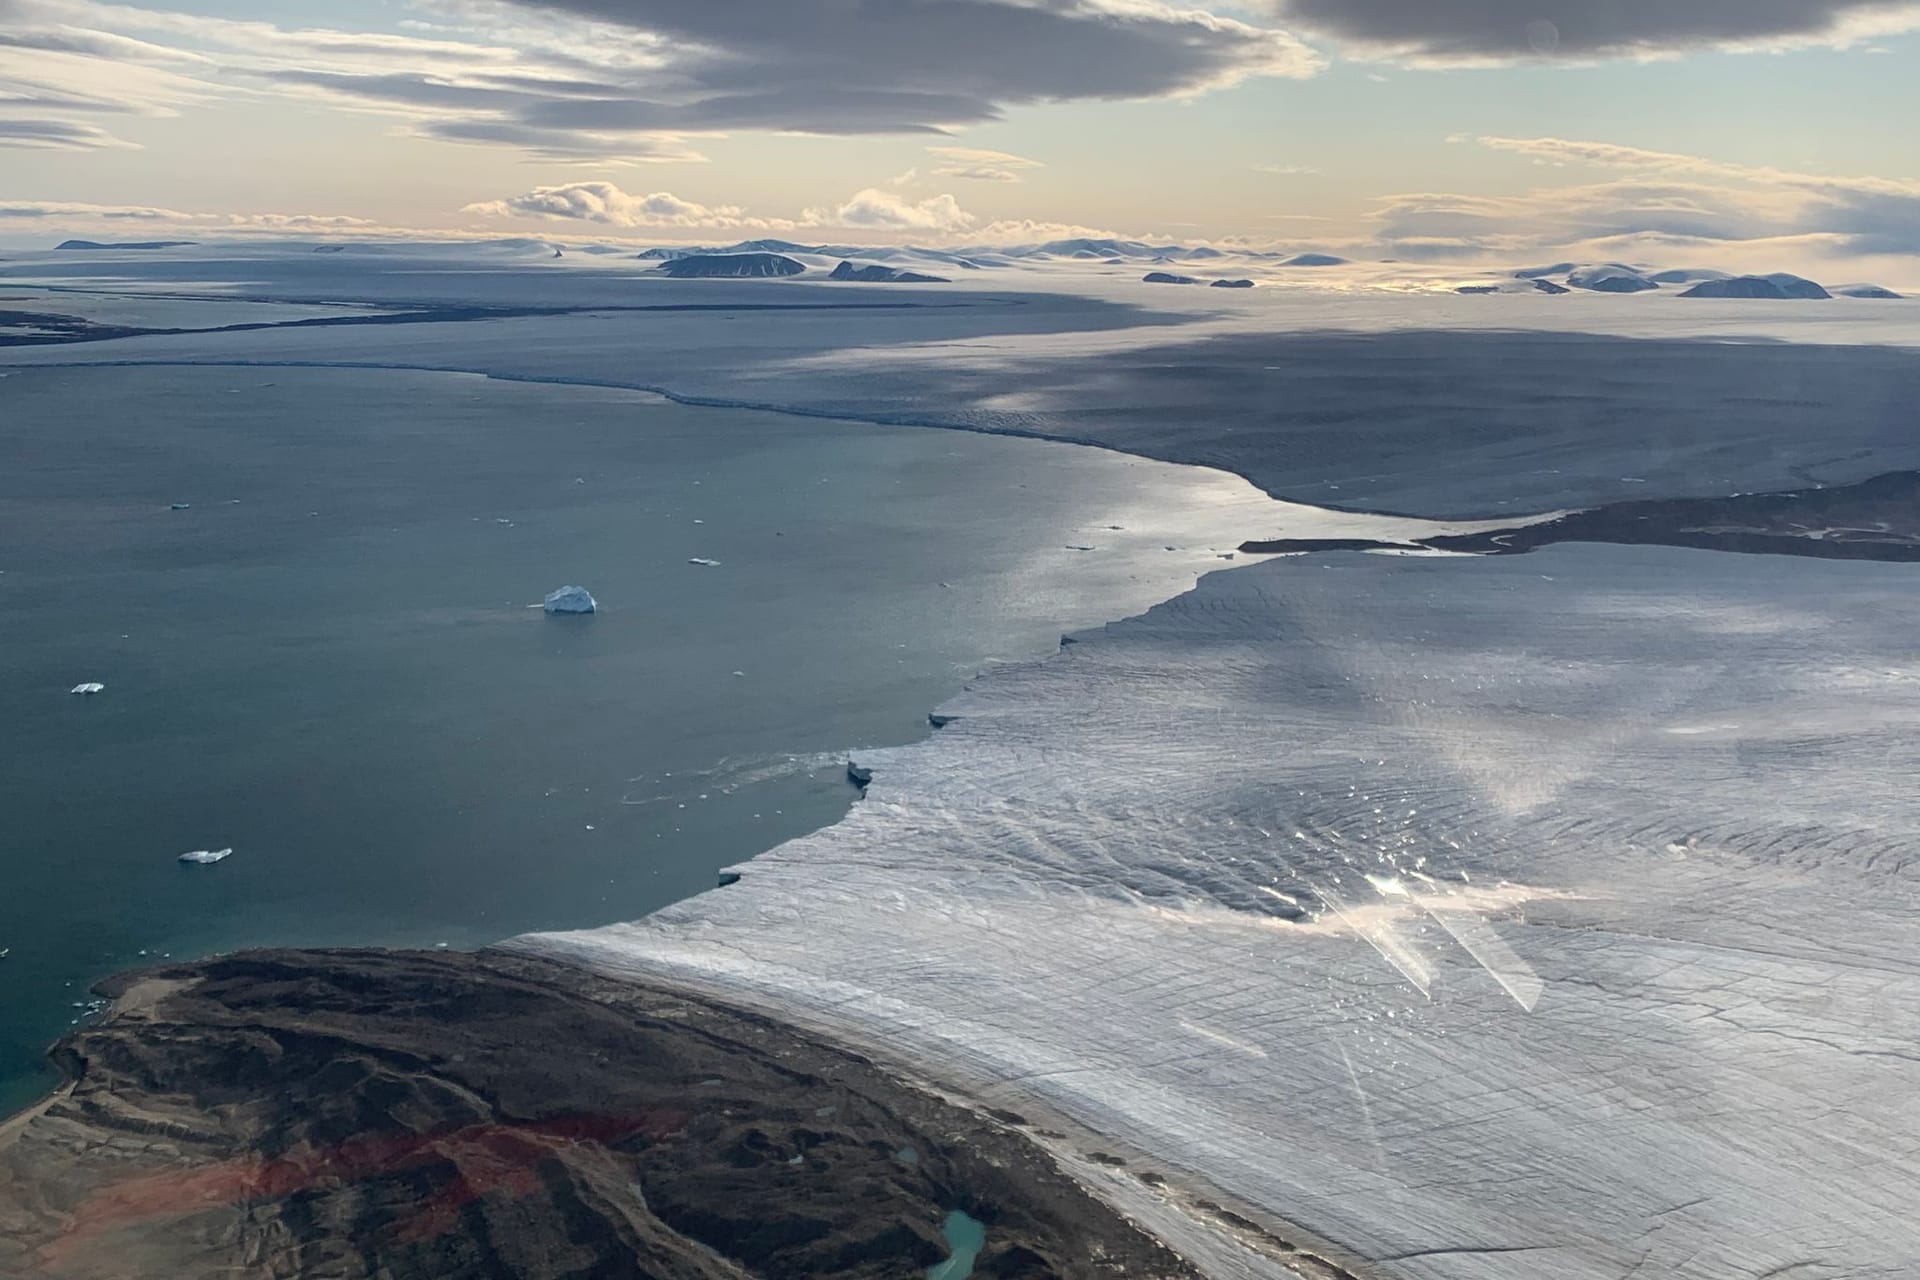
(854, 66)
(1500, 30)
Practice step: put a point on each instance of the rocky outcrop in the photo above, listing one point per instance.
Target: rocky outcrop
(1610, 277)
(1167, 277)
(391, 1114)
(722, 266)
(874, 273)
(1778, 286)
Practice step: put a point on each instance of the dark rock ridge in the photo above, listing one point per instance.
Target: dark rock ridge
(1167, 277)
(1610, 277)
(123, 244)
(363, 1115)
(1756, 287)
(874, 273)
(1797, 286)
(1539, 286)
(733, 266)
(1877, 519)
(1231, 284)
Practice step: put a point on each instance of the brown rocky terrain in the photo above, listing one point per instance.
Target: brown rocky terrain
(394, 1115)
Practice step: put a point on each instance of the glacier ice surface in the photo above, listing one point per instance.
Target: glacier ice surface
(1544, 915)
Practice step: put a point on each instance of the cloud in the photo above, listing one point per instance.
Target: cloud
(976, 164)
(1489, 32)
(884, 210)
(1872, 215)
(67, 211)
(1286, 170)
(1661, 194)
(632, 79)
(603, 202)
(56, 135)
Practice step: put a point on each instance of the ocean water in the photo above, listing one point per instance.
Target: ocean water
(327, 661)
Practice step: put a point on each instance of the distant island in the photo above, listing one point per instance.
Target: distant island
(1610, 277)
(1167, 277)
(874, 273)
(718, 266)
(122, 244)
(1782, 286)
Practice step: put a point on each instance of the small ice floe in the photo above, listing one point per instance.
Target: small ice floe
(206, 857)
(1076, 547)
(703, 562)
(88, 689)
(179, 506)
(570, 600)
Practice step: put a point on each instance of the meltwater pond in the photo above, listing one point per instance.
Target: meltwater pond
(310, 596)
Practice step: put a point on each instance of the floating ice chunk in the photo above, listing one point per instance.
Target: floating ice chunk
(179, 506)
(702, 560)
(571, 600)
(206, 857)
(90, 688)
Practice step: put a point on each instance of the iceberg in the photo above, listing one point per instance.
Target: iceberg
(90, 688)
(571, 600)
(206, 857)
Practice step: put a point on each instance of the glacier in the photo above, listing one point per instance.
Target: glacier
(1491, 918)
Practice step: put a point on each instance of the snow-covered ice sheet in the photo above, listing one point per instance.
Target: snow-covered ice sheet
(1608, 958)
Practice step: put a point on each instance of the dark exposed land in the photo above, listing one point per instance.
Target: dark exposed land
(374, 1114)
(1877, 519)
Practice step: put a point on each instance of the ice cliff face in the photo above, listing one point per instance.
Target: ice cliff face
(1545, 916)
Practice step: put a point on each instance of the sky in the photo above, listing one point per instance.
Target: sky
(1730, 132)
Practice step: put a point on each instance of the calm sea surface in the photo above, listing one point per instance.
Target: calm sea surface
(327, 660)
